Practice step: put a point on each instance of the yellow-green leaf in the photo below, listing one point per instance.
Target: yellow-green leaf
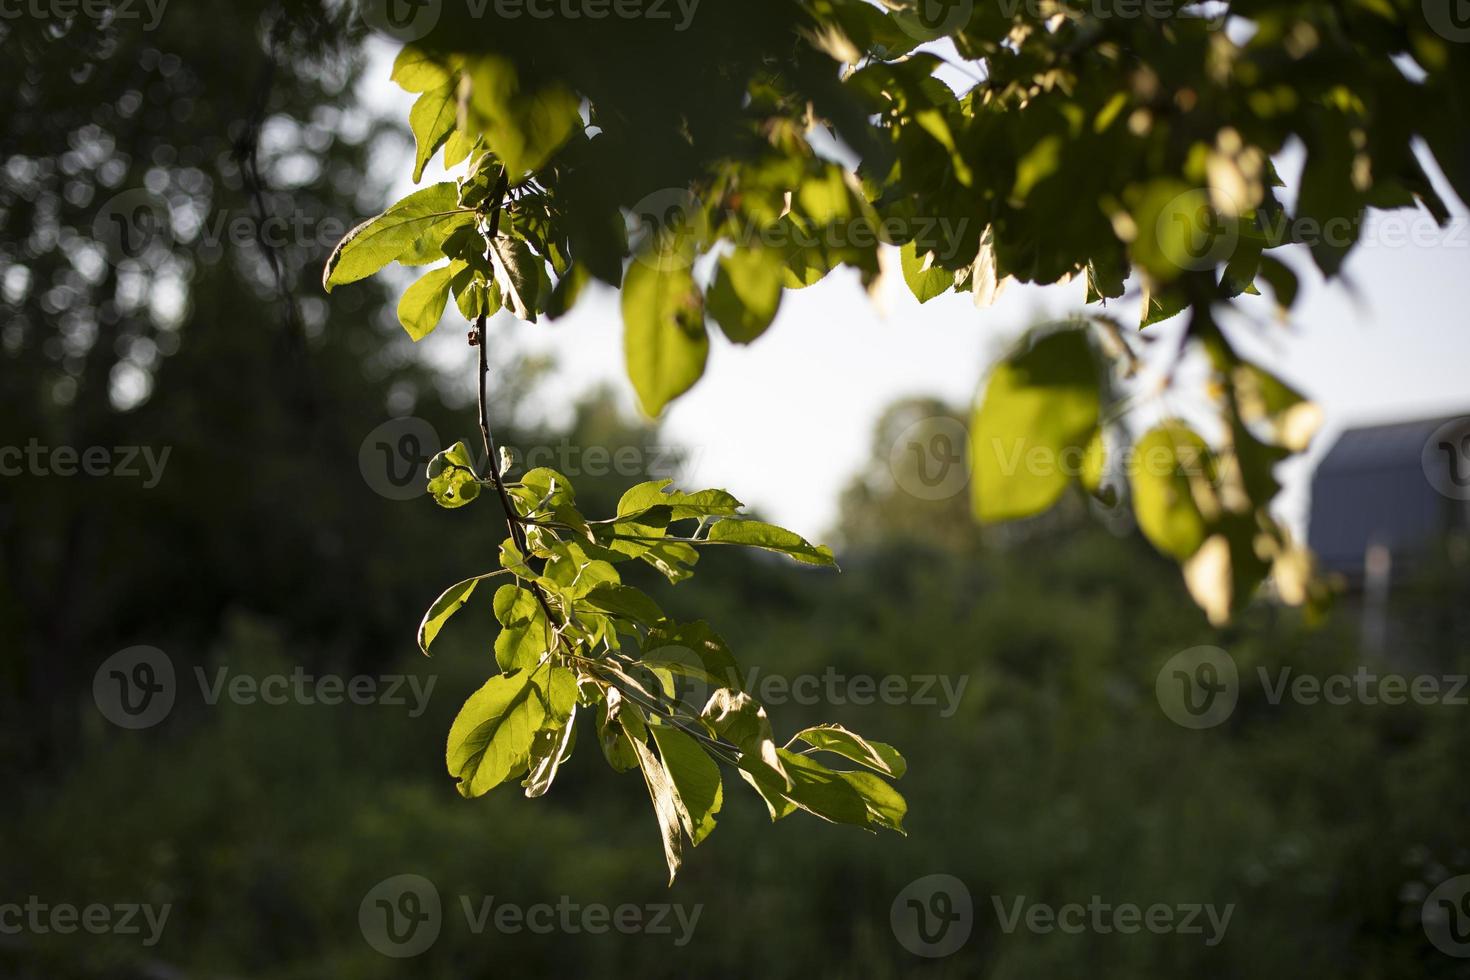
(1030, 434)
(432, 120)
(747, 292)
(698, 791)
(411, 231)
(664, 338)
(422, 305)
(1170, 472)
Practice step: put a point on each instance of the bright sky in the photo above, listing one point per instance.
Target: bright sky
(787, 421)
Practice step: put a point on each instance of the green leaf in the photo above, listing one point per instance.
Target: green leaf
(1240, 271)
(627, 602)
(570, 572)
(422, 305)
(474, 296)
(856, 798)
(1225, 571)
(1282, 280)
(1265, 398)
(665, 804)
(432, 119)
(525, 634)
(850, 745)
(740, 720)
(513, 561)
(1170, 463)
(619, 724)
(1105, 277)
(1177, 229)
(490, 740)
(698, 791)
(560, 692)
(515, 606)
(924, 282)
(428, 247)
(549, 749)
(1039, 413)
(458, 147)
(522, 129)
(638, 501)
(545, 487)
(693, 650)
(415, 70)
(518, 273)
(746, 293)
(478, 185)
(404, 232)
(452, 481)
(672, 559)
(1040, 161)
(567, 291)
(885, 805)
(664, 337)
(448, 603)
(1162, 303)
(759, 534)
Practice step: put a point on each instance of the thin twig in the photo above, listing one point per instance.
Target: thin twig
(512, 516)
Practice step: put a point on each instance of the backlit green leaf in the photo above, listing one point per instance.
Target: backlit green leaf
(698, 792)
(924, 283)
(522, 128)
(1171, 469)
(746, 293)
(432, 119)
(759, 534)
(1034, 424)
(422, 305)
(448, 603)
(665, 804)
(664, 336)
(490, 740)
(850, 745)
(452, 480)
(404, 232)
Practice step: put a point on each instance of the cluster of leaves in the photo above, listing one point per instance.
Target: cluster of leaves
(1105, 143)
(1111, 144)
(574, 638)
(1051, 417)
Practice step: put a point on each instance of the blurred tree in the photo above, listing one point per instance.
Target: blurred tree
(156, 216)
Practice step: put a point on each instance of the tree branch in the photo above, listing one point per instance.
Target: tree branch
(492, 458)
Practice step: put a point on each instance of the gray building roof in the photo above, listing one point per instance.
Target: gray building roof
(1401, 485)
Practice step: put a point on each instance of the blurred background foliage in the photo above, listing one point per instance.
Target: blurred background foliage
(1056, 778)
